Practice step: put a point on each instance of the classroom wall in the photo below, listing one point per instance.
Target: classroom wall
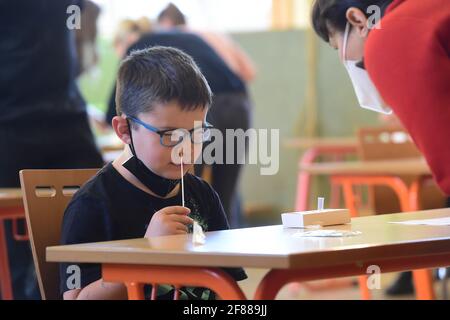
(279, 96)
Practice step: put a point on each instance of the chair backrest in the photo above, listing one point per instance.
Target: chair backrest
(46, 194)
(386, 143)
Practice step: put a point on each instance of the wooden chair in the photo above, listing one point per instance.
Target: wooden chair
(46, 194)
(387, 143)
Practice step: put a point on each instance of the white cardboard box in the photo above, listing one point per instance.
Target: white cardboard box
(326, 217)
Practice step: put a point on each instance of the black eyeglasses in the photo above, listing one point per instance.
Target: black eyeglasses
(173, 137)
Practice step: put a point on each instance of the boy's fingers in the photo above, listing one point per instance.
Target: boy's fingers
(180, 227)
(181, 218)
(175, 210)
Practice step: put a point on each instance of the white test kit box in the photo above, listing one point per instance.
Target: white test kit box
(325, 217)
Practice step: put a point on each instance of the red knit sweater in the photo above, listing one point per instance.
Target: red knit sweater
(408, 59)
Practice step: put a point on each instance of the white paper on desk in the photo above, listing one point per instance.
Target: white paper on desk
(328, 233)
(198, 236)
(426, 222)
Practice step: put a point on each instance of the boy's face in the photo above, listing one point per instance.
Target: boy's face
(149, 150)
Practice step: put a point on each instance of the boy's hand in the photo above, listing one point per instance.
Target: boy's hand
(169, 221)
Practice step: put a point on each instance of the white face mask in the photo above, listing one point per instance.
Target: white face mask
(365, 90)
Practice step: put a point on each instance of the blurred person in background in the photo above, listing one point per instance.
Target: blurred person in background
(43, 120)
(236, 58)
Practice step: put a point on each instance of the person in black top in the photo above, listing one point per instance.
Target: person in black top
(162, 101)
(231, 109)
(43, 120)
(220, 78)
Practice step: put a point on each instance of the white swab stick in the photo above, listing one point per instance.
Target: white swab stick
(182, 181)
(320, 202)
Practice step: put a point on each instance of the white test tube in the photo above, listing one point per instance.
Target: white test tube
(320, 203)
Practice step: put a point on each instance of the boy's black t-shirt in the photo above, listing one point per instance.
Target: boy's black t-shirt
(108, 207)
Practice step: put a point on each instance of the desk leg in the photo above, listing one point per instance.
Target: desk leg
(423, 278)
(409, 201)
(135, 290)
(134, 276)
(5, 275)
(276, 279)
(395, 183)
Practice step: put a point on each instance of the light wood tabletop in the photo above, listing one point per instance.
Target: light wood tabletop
(10, 197)
(306, 143)
(273, 246)
(415, 166)
(109, 142)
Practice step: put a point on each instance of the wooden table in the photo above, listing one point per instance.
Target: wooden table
(109, 142)
(388, 173)
(10, 197)
(413, 166)
(11, 208)
(110, 146)
(175, 260)
(324, 143)
(314, 148)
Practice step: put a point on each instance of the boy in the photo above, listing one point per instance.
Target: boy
(159, 90)
(231, 109)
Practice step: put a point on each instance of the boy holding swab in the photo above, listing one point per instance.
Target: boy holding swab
(161, 98)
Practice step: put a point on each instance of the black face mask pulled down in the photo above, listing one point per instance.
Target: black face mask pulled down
(157, 184)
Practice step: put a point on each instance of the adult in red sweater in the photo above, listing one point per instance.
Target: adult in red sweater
(406, 57)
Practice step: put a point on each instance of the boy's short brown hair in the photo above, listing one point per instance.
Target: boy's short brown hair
(158, 75)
